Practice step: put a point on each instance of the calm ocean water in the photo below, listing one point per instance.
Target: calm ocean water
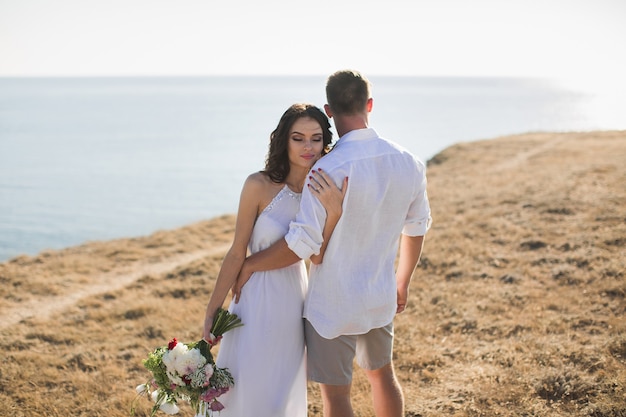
(100, 158)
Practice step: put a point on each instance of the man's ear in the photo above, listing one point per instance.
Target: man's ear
(370, 104)
(327, 110)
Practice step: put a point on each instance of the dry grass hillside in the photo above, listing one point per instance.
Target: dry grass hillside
(517, 309)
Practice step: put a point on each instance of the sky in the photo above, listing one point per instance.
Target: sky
(573, 39)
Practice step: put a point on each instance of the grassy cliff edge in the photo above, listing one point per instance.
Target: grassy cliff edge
(517, 307)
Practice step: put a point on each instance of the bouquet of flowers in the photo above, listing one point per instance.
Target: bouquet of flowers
(187, 371)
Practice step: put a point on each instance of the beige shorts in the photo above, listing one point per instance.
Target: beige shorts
(329, 361)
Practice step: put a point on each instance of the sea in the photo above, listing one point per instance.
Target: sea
(87, 159)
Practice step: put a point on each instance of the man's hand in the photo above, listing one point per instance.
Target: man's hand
(403, 296)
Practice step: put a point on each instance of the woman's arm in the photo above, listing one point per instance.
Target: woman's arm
(246, 217)
(331, 197)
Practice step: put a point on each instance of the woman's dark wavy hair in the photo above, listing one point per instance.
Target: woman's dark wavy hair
(277, 160)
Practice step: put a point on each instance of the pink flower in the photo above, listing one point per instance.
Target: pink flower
(209, 395)
(216, 406)
(212, 393)
(172, 344)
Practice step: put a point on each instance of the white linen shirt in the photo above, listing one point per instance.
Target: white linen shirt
(354, 289)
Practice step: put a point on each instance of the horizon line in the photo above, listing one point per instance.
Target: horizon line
(269, 75)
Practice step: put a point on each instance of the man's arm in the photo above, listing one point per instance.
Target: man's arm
(276, 256)
(410, 252)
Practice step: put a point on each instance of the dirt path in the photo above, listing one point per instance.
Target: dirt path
(44, 307)
(520, 158)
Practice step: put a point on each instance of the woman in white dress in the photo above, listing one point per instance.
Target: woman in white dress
(267, 354)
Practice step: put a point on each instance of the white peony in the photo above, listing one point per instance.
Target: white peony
(182, 361)
(189, 362)
(171, 357)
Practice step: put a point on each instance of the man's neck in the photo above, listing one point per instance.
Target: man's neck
(346, 124)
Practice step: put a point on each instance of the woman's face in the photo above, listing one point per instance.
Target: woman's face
(306, 141)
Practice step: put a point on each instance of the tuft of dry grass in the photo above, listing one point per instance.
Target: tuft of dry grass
(517, 308)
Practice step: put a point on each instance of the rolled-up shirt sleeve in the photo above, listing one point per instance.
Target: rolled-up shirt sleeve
(305, 232)
(301, 242)
(418, 219)
(417, 227)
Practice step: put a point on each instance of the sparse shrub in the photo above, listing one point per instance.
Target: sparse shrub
(152, 333)
(81, 362)
(509, 279)
(617, 348)
(565, 386)
(135, 313)
(533, 245)
(53, 339)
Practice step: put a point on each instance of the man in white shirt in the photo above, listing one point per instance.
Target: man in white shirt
(354, 292)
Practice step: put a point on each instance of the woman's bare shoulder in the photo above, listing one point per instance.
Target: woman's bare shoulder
(258, 178)
(261, 185)
(258, 181)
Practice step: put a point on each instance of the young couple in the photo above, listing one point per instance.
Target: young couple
(348, 211)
